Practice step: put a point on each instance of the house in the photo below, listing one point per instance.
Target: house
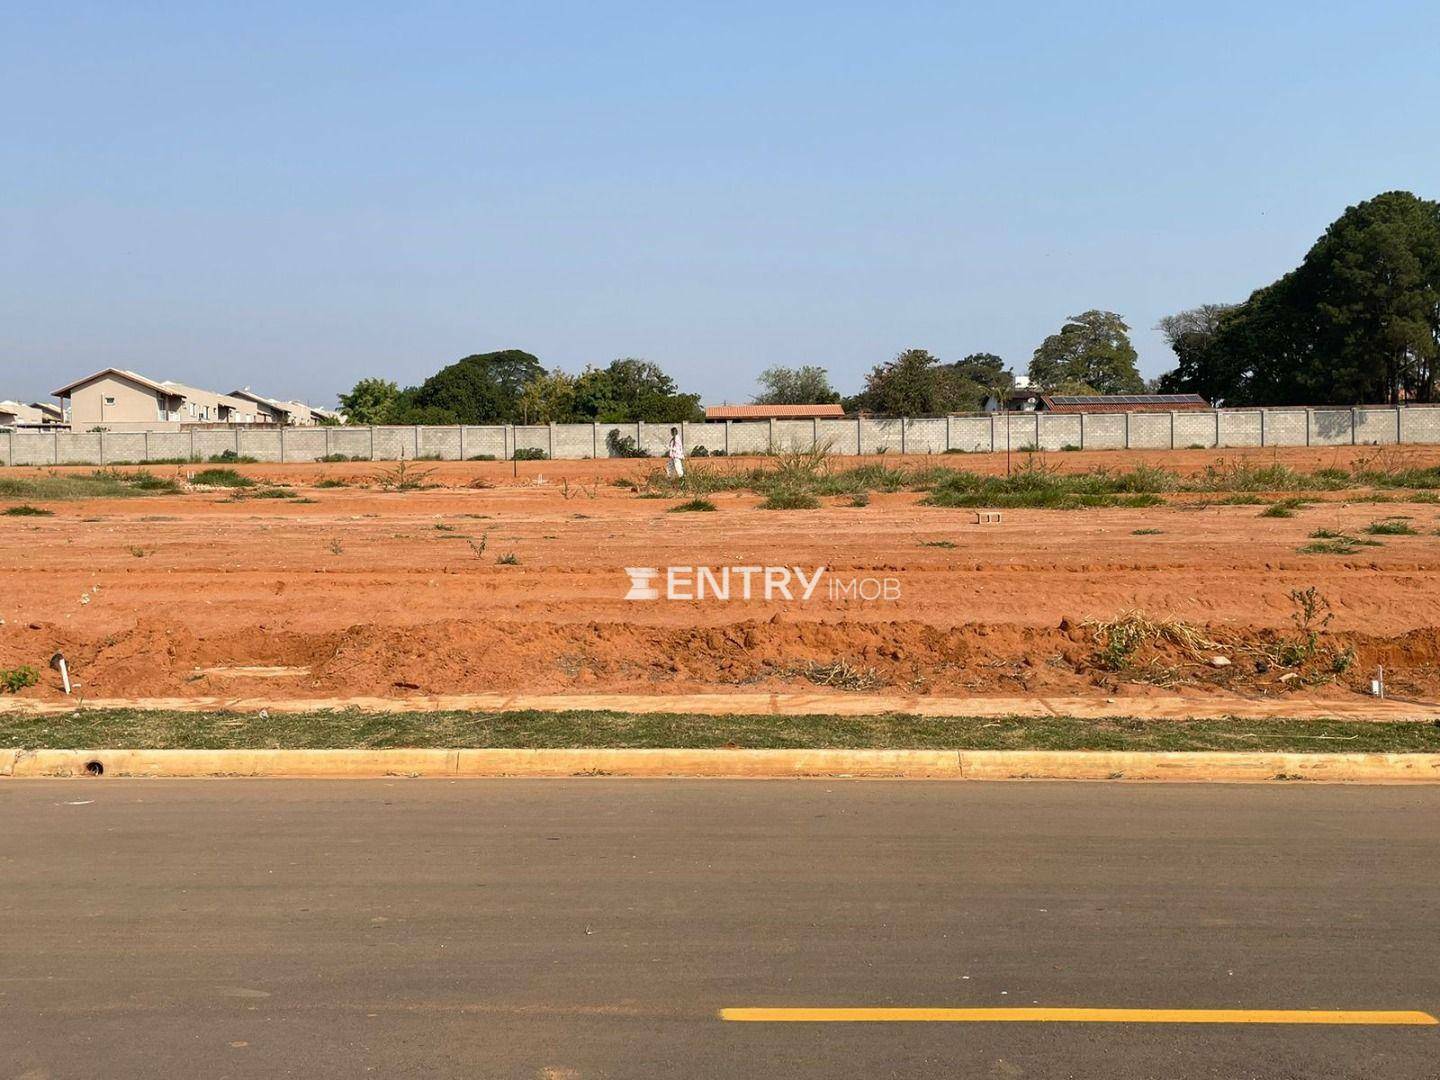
(289, 413)
(1027, 400)
(208, 407)
(117, 396)
(35, 414)
(774, 412)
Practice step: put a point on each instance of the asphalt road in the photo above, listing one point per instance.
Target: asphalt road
(594, 927)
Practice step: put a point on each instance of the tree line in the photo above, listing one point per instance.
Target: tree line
(1358, 322)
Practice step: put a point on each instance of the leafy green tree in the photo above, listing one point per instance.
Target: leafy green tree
(549, 399)
(1092, 348)
(368, 401)
(915, 383)
(978, 376)
(631, 389)
(1357, 322)
(1190, 334)
(480, 389)
(805, 385)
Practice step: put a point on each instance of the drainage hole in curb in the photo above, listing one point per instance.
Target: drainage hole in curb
(94, 768)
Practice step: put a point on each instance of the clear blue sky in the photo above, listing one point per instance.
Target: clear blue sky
(295, 196)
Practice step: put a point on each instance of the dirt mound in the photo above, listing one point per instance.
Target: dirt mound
(480, 656)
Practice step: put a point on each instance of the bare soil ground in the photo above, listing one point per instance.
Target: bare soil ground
(357, 592)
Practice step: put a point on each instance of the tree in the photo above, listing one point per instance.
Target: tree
(1093, 348)
(549, 399)
(977, 377)
(630, 389)
(915, 383)
(480, 389)
(1357, 322)
(806, 385)
(368, 401)
(1190, 334)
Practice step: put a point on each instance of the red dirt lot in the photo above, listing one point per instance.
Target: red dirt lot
(394, 594)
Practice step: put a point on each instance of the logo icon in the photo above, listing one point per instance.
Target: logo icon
(642, 583)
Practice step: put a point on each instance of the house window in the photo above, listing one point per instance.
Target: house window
(109, 401)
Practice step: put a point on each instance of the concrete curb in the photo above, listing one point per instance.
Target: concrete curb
(913, 764)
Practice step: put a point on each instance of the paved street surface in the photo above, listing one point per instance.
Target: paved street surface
(581, 928)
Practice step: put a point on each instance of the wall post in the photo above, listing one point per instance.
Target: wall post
(1309, 424)
(814, 433)
(1264, 427)
(55, 439)
(552, 439)
(1354, 425)
(147, 446)
(102, 446)
(771, 426)
(595, 438)
(1399, 430)
(1172, 430)
(1082, 431)
(1127, 431)
(462, 442)
(727, 437)
(1217, 429)
(192, 442)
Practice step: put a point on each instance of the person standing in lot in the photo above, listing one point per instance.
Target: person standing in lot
(675, 451)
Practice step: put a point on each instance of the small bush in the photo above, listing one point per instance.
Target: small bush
(693, 506)
(623, 446)
(509, 559)
(937, 543)
(860, 498)
(529, 453)
(28, 511)
(784, 499)
(1391, 527)
(1284, 508)
(1145, 532)
(481, 457)
(13, 680)
(331, 482)
(230, 457)
(334, 458)
(227, 478)
(699, 451)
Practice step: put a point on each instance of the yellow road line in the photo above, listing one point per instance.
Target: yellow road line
(1081, 1016)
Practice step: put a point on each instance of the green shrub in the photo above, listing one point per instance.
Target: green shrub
(230, 457)
(1391, 527)
(227, 478)
(693, 506)
(482, 457)
(786, 499)
(28, 511)
(13, 680)
(623, 446)
(331, 482)
(528, 453)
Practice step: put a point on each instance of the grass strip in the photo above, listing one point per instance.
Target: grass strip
(352, 729)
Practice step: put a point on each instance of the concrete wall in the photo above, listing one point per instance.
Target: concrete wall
(957, 434)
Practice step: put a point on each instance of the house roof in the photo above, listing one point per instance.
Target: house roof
(134, 377)
(1121, 403)
(259, 399)
(773, 412)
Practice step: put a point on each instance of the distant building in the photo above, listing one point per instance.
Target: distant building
(1027, 400)
(35, 414)
(774, 412)
(117, 396)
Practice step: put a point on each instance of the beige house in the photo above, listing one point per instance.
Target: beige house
(36, 414)
(290, 413)
(120, 399)
(117, 396)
